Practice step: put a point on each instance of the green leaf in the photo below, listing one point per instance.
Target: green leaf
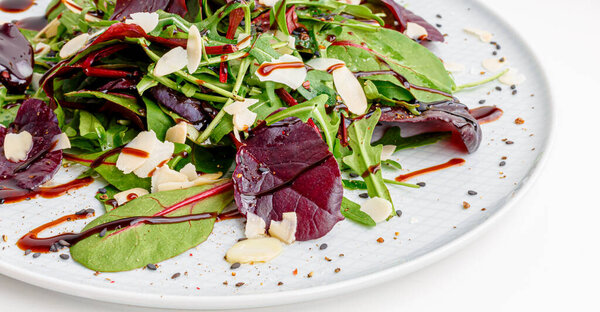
(92, 129)
(400, 53)
(351, 210)
(145, 84)
(364, 157)
(393, 137)
(392, 163)
(125, 101)
(211, 159)
(262, 50)
(354, 185)
(136, 246)
(110, 194)
(277, 15)
(156, 119)
(303, 111)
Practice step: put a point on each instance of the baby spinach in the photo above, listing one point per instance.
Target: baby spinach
(156, 119)
(135, 246)
(351, 210)
(392, 136)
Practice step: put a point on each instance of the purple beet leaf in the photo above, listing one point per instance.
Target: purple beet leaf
(287, 167)
(191, 109)
(403, 16)
(123, 8)
(441, 116)
(17, 178)
(16, 59)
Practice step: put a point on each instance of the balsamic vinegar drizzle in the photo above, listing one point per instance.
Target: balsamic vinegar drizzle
(14, 195)
(31, 241)
(451, 163)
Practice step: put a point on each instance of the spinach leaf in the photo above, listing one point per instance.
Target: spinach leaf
(156, 119)
(351, 210)
(403, 55)
(210, 159)
(126, 101)
(136, 246)
(392, 137)
(365, 158)
(91, 128)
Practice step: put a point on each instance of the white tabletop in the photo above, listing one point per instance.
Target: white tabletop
(543, 255)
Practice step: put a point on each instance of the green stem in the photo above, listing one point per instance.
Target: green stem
(481, 82)
(200, 96)
(11, 98)
(238, 83)
(400, 183)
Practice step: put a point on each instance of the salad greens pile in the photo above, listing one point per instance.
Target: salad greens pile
(291, 91)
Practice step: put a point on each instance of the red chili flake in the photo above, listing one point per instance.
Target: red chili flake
(380, 240)
(295, 272)
(306, 85)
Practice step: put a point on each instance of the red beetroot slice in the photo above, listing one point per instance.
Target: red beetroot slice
(442, 116)
(404, 16)
(287, 167)
(35, 117)
(123, 8)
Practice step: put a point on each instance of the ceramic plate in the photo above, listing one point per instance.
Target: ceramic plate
(433, 222)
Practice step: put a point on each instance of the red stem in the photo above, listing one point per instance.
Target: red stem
(290, 101)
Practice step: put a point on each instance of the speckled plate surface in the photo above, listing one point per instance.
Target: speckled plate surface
(433, 223)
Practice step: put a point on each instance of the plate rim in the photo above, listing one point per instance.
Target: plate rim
(103, 294)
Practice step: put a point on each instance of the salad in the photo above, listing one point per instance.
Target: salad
(194, 112)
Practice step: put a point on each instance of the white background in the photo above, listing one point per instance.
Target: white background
(543, 255)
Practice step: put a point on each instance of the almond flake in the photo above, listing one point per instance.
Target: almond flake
(512, 77)
(255, 226)
(60, 141)
(377, 208)
(494, 64)
(483, 35)
(126, 196)
(170, 62)
(194, 49)
(285, 230)
(147, 21)
(454, 67)
(291, 76)
(415, 31)
(17, 146)
(261, 249)
(73, 46)
(177, 133)
(387, 151)
(244, 41)
(144, 141)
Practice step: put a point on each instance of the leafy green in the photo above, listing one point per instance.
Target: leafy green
(303, 111)
(156, 119)
(354, 184)
(365, 157)
(351, 210)
(110, 194)
(136, 246)
(393, 137)
(125, 101)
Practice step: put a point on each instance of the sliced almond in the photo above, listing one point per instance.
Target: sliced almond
(194, 49)
(237, 106)
(75, 8)
(268, 3)
(353, 2)
(483, 35)
(494, 64)
(291, 75)
(244, 40)
(177, 133)
(377, 208)
(255, 226)
(189, 171)
(285, 230)
(147, 21)
(262, 249)
(387, 151)
(206, 178)
(324, 64)
(415, 31)
(73, 46)
(160, 154)
(350, 90)
(512, 77)
(61, 141)
(17, 146)
(128, 195)
(41, 48)
(454, 67)
(144, 141)
(170, 62)
(244, 119)
(163, 175)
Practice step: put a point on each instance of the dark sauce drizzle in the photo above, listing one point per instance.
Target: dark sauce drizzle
(451, 163)
(486, 114)
(17, 195)
(15, 6)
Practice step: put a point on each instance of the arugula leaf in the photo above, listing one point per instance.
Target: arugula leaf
(7, 115)
(262, 50)
(365, 157)
(126, 101)
(156, 119)
(136, 246)
(354, 185)
(393, 137)
(351, 210)
(303, 111)
(392, 163)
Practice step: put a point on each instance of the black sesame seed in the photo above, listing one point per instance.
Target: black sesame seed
(494, 53)
(498, 89)
(80, 212)
(102, 190)
(103, 232)
(151, 266)
(502, 163)
(471, 192)
(63, 242)
(421, 184)
(438, 15)
(363, 195)
(176, 275)
(514, 92)
(37, 254)
(512, 87)
(497, 47)
(235, 266)
(28, 251)
(90, 211)
(438, 25)
(399, 213)
(509, 142)
(353, 175)
(242, 239)
(64, 256)
(481, 101)
(323, 246)
(263, 169)
(53, 248)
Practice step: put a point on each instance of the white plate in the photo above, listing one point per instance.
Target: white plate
(433, 223)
